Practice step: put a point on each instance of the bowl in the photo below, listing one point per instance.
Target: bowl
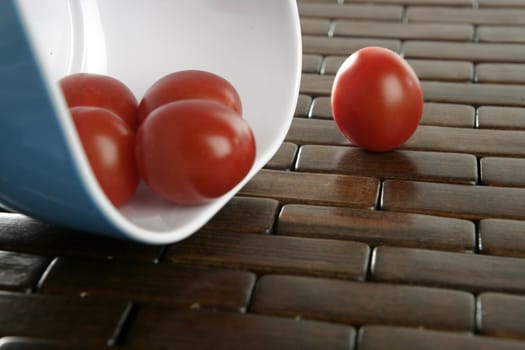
(255, 44)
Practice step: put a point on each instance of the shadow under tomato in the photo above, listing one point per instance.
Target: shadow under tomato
(396, 164)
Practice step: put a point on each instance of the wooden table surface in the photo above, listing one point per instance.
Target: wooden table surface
(329, 246)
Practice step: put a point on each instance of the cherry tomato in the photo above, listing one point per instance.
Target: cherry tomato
(192, 151)
(109, 144)
(95, 90)
(189, 84)
(377, 100)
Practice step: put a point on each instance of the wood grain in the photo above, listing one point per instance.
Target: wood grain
(448, 114)
(504, 73)
(344, 46)
(397, 338)
(147, 283)
(467, 15)
(381, 29)
(350, 10)
(274, 254)
(503, 171)
(501, 34)
(310, 188)
(495, 117)
(244, 214)
(471, 272)
(377, 227)
(349, 303)
(183, 329)
(303, 106)
(284, 159)
(397, 164)
(21, 272)
(74, 320)
(462, 201)
(474, 52)
(502, 237)
(501, 315)
(23, 234)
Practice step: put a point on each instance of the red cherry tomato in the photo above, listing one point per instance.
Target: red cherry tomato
(192, 151)
(95, 90)
(189, 84)
(377, 100)
(109, 145)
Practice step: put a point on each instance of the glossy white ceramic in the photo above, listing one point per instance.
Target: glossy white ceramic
(255, 44)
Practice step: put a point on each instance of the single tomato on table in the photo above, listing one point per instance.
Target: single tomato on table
(189, 84)
(109, 144)
(376, 100)
(97, 90)
(193, 151)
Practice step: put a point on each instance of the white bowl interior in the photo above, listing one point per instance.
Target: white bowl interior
(255, 44)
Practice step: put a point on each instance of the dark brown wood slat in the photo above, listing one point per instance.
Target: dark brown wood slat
(315, 131)
(316, 84)
(344, 46)
(397, 30)
(311, 63)
(503, 73)
(474, 141)
(350, 303)
(398, 164)
(318, 1)
(350, 11)
(481, 142)
(303, 105)
(442, 70)
(274, 254)
(144, 283)
(475, 52)
(284, 158)
(181, 329)
(321, 108)
(448, 114)
(420, 2)
(22, 234)
(503, 171)
(501, 315)
(315, 26)
(243, 214)
(324, 189)
(495, 117)
(462, 201)
(377, 227)
(21, 272)
(397, 338)
(501, 34)
(72, 320)
(472, 272)
(466, 15)
(502, 237)
(21, 343)
(501, 3)
(476, 94)
(332, 64)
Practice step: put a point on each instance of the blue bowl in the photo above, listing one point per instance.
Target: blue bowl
(255, 44)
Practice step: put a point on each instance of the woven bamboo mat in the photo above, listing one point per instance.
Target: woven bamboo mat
(329, 246)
